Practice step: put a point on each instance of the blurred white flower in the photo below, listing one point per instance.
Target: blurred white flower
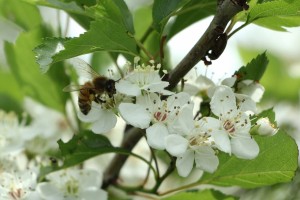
(265, 127)
(47, 126)
(155, 115)
(72, 184)
(17, 185)
(13, 134)
(231, 130)
(142, 78)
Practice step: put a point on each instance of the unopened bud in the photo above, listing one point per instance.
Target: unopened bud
(265, 127)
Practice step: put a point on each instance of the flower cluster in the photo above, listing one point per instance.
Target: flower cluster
(172, 122)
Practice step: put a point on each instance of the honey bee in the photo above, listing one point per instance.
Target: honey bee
(97, 89)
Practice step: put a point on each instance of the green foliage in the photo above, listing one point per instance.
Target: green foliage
(110, 32)
(277, 81)
(194, 11)
(275, 14)
(276, 163)
(46, 50)
(253, 70)
(163, 10)
(203, 195)
(84, 146)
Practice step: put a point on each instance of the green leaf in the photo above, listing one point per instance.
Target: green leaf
(163, 10)
(104, 35)
(276, 163)
(275, 14)
(191, 13)
(21, 13)
(46, 50)
(114, 10)
(203, 195)
(253, 70)
(84, 146)
(277, 79)
(71, 6)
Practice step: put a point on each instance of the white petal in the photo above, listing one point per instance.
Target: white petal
(178, 99)
(245, 103)
(106, 121)
(48, 191)
(229, 81)
(184, 122)
(93, 194)
(176, 144)
(156, 87)
(135, 114)
(242, 124)
(222, 140)
(206, 159)
(92, 116)
(245, 148)
(204, 83)
(156, 136)
(185, 163)
(223, 103)
(252, 89)
(128, 88)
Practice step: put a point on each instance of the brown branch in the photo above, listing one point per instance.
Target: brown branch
(226, 9)
(131, 137)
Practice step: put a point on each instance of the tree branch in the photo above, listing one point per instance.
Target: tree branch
(226, 9)
(131, 137)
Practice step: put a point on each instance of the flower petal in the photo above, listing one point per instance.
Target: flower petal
(206, 159)
(135, 114)
(128, 88)
(107, 120)
(223, 103)
(185, 163)
(245, 148)
(92, 115)
(222, 140)
(156, 136)
(175, 144)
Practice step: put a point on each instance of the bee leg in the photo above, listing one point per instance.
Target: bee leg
(98, 99)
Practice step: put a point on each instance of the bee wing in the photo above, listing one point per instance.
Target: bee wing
(83, 69)
(72, 88)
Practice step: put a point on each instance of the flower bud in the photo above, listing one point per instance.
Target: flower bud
(265, 127)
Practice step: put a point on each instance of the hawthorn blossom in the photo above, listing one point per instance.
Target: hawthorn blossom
(142, 78)
(72, 184)
(191, 144)
(155, 115)
(13, 134)
(18, 185)
(231, 130)
(44, 139)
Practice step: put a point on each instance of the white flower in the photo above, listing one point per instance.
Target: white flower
(103, 120)
(231, 131)
(72, 184)
(18, 186)
(265, 127)
(142, 78)
(191, 144)
(154, 114)
(13, 134)
(251, 88)
(47, 127)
